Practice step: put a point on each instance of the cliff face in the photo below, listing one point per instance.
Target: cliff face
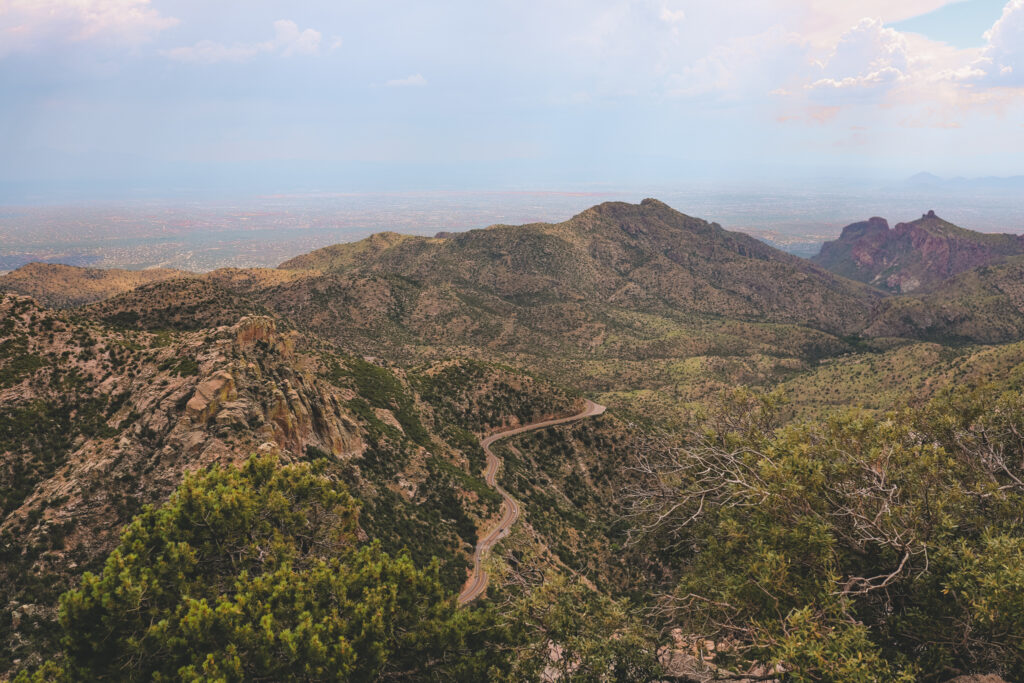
(913, 256)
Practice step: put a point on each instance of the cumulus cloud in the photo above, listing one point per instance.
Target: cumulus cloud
(36, 25)
(823, 20)
(288, 40)
(1002, 60)
(413, 81)
(868, 59)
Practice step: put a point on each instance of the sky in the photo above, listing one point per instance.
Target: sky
(158, 97)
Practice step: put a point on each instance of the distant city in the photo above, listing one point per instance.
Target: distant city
(266, 230)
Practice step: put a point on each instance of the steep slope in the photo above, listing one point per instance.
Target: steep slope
(915, 255)
(644, 257)
(181, 304)
(61, 286)
(612, 299)
(96, 422)
(984, 305)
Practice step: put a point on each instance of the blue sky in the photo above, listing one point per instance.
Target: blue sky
(122, 97)
(961, 24)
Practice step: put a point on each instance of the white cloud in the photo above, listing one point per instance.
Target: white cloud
(822, 21)
(1002, 60)
(672, 16)
(288, 41)
(36, 25)
(820, 51)
(868, 59)
(413, 81)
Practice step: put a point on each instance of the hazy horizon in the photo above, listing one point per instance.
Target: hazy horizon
(125, 99)
(204, 234)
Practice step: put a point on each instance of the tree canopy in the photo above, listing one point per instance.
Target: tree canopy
(860, 548)
(258, 573)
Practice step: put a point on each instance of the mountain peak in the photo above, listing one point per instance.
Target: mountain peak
(651, 202)
(646, 207)
(872, 226)
(645, 256)
(912, 255)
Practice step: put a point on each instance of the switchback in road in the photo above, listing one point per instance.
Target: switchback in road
(477, 582)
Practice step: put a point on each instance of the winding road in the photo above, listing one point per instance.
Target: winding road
(477, 582)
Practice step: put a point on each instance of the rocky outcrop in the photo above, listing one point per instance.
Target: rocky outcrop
(96, 422)
(913, 256)
(210, 394)
(252, 330)
(120, 417)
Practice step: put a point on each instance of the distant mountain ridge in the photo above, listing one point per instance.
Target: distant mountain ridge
(645, 257)
(61, 286)
(615, 283)
(913, 256)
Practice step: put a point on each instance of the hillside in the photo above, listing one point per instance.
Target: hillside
(96, 422)
(180, 304)
(984, 305)
(614, 298)
(61, 286)
(339, 258)
(618, 298)
(913, 256)
(770, 424)
(645, 257)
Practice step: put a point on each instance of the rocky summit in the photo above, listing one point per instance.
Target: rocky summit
(913, 256)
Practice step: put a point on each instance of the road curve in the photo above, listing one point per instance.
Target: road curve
(477, 582)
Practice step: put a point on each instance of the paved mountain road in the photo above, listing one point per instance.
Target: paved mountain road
(477, 582)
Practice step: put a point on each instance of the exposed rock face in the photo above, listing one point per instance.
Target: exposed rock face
(254, 329)
(913, 256)
(209, 396)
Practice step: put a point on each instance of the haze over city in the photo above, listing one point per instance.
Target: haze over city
(137, 133)
(126, 98)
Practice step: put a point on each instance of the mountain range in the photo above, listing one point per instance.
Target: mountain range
(381, 364)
